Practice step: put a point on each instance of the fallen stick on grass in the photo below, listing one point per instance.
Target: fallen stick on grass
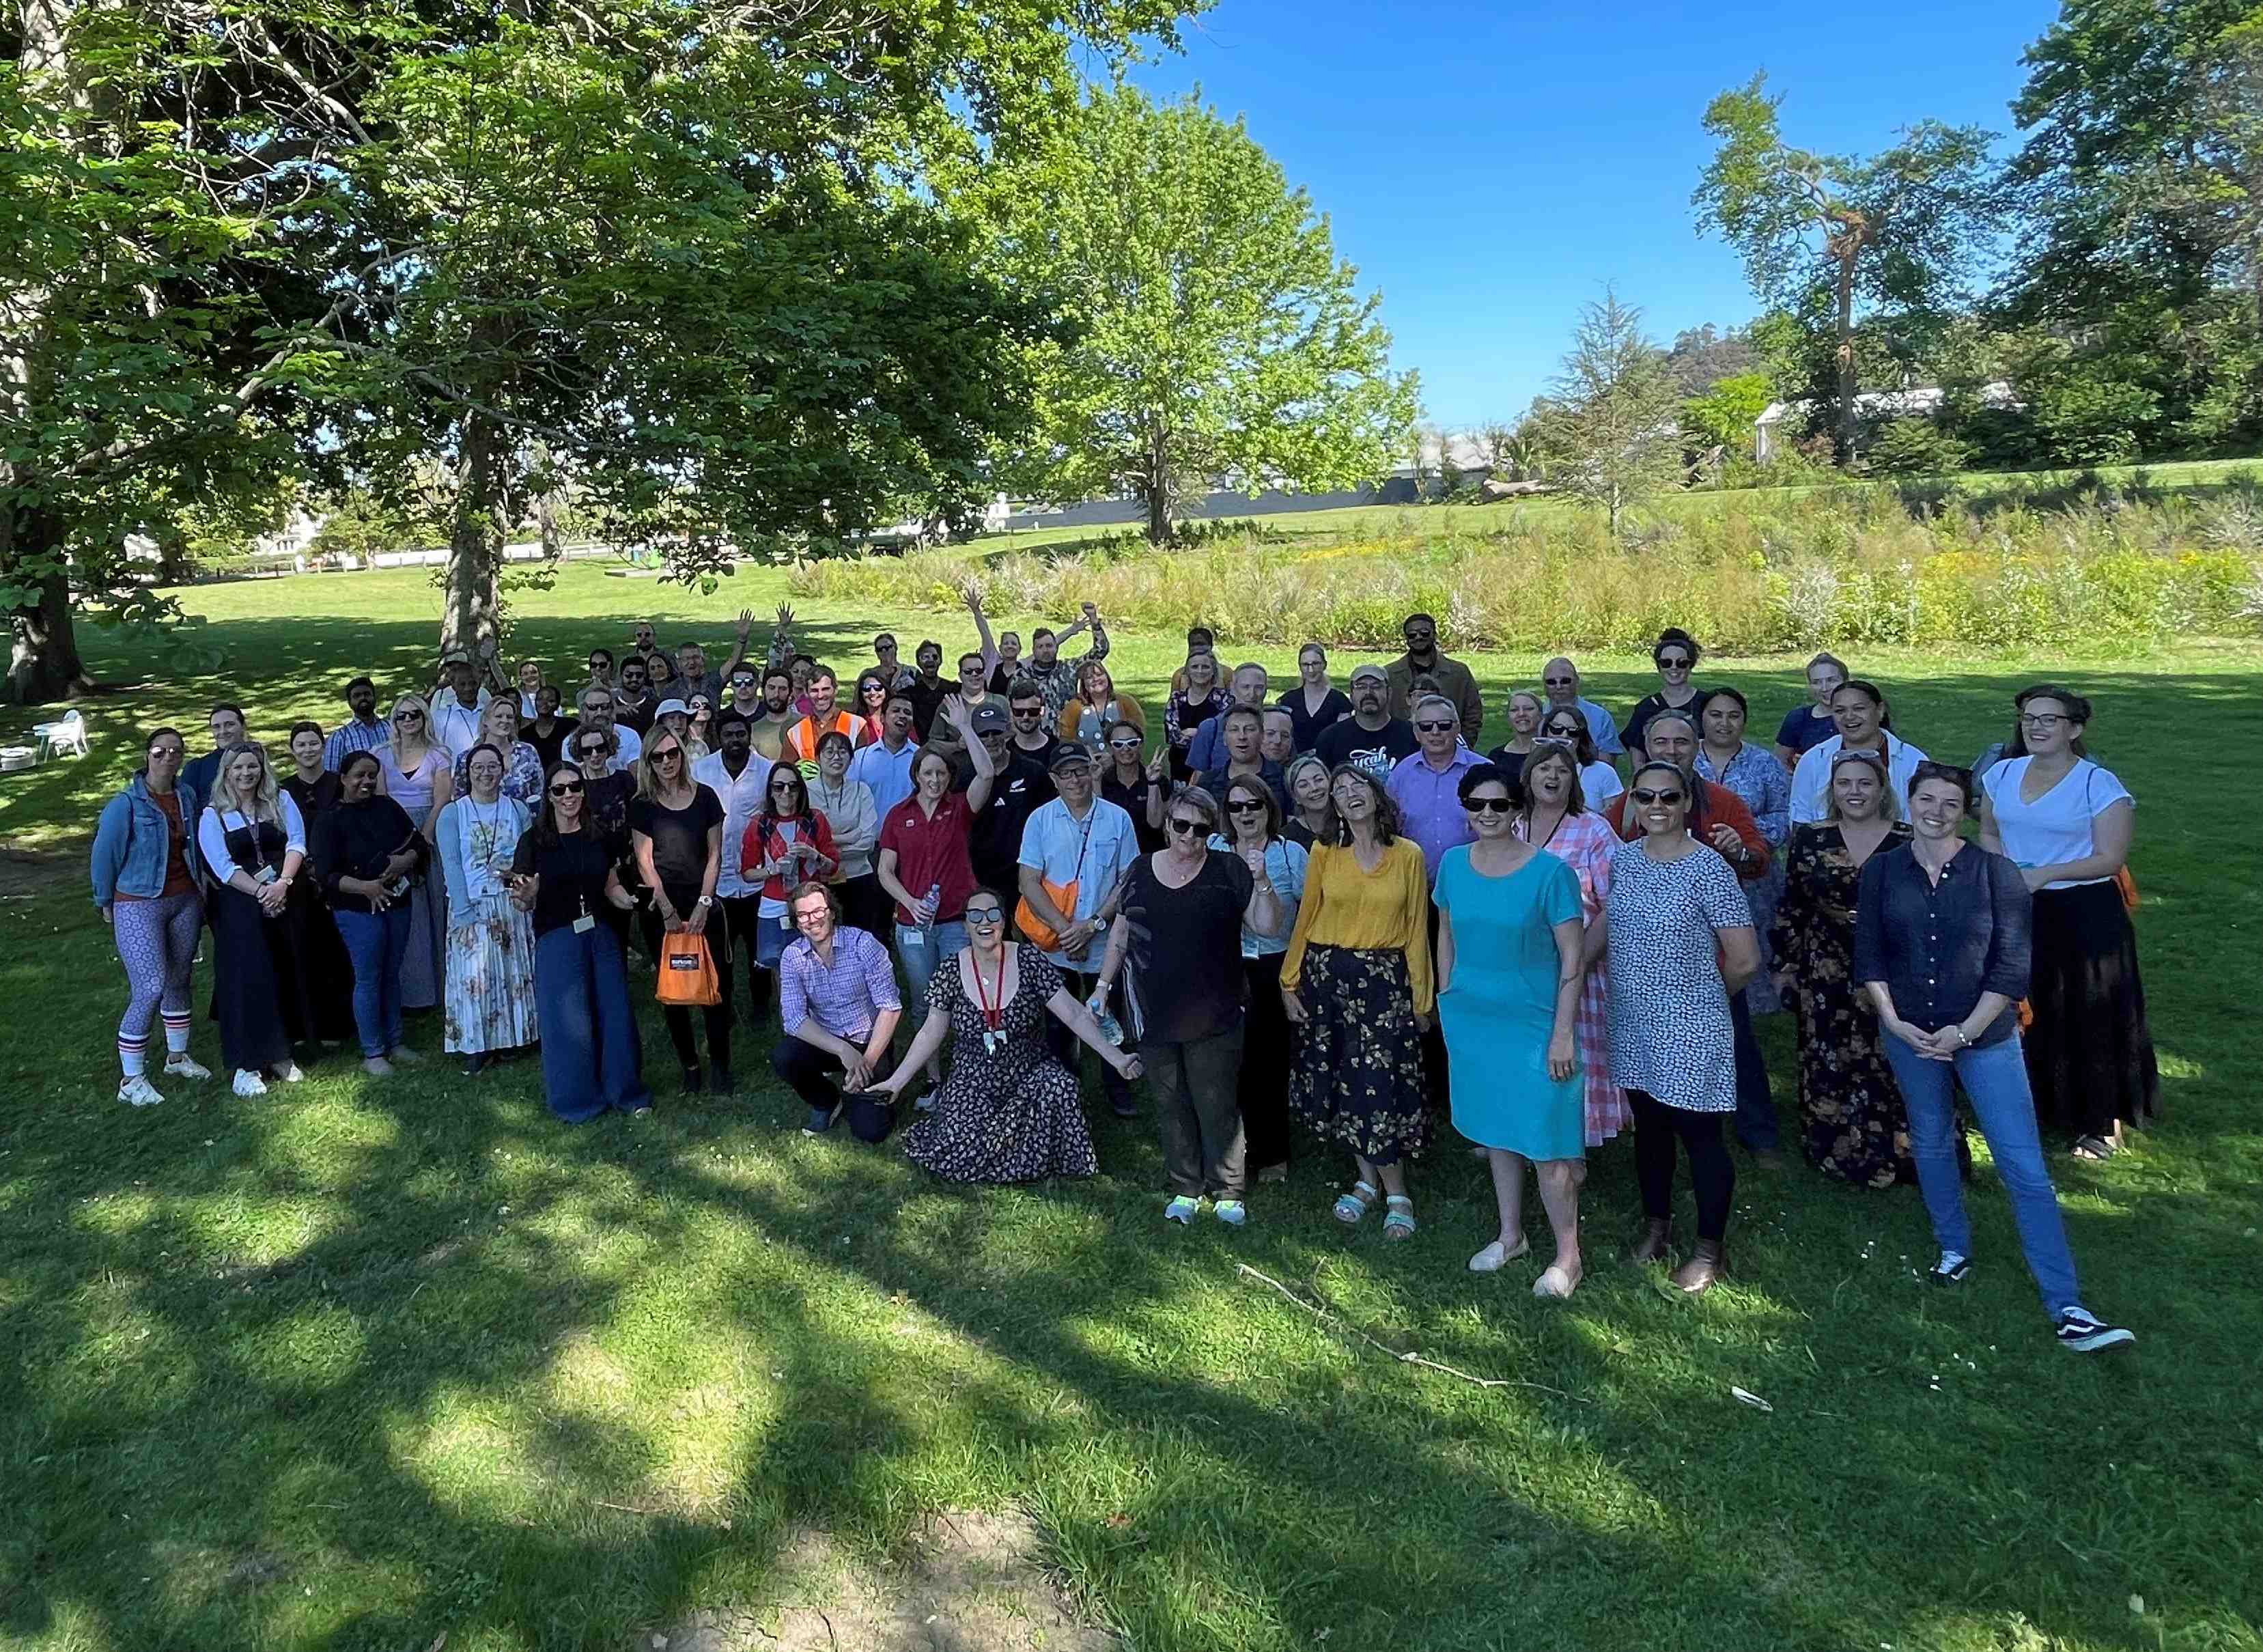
(1339, 1321)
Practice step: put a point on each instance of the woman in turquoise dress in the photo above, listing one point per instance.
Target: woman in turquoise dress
(1510, 944)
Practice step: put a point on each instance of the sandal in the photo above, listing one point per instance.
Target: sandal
(2094, 1148)
(1352, 1206)
(1399, 1222)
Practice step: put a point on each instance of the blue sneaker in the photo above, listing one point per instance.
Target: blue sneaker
(2082, 1332)
(1232, 1212)
(1181, 1210)
(820, 1120)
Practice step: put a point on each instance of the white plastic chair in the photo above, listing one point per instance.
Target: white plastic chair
(67, 735)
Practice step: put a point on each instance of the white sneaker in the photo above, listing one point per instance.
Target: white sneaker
(138, 1092)
(186, 1066)
(248, 1082)
(290, 1073)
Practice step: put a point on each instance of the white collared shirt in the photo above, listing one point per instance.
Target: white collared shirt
(743, 800)
(1810, 781)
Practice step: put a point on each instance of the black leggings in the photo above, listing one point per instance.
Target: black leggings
(717, 1015)
(1713, 1174)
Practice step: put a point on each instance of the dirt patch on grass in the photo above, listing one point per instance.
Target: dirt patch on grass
(966, 1582)
(25, 871)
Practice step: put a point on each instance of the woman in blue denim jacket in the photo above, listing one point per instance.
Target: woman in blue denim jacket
(1942, 946)
(143, 869)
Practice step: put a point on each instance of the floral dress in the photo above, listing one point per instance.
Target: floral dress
(1586, 842)
(1007, 1113)
(1856, 1126)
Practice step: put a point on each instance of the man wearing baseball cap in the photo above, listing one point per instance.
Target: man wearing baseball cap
(1078, 839)
(1370, 736)
(1022, 787)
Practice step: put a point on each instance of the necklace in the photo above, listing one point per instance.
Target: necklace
(993, 1017)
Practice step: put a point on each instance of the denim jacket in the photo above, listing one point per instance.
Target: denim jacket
(130, 843)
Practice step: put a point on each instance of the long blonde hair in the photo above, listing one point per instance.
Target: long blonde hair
(262, 804)
(647, 781)
(431, 736)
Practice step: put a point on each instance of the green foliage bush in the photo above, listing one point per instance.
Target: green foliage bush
(1917, 447)
(1850, 565)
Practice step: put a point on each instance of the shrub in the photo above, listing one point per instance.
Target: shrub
(1917, 447)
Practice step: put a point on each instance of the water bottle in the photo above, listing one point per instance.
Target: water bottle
(1111, 1028)
(933, 900)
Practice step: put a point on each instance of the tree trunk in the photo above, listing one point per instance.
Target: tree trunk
(1849, 429)
(475, 541)
(43, 661)
(1156, 486)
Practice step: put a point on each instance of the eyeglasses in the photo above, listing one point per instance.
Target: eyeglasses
(1247, 806)
(1489, 806)
(1184, 827)
(984, 916)
(1644, 795)
(2043, 719)
(1435, 727)
(566, 788)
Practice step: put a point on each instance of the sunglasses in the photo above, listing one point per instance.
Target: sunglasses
(1562, 734)
(566, 788)
(1644, 795)
(1489, 806)
(1123, 745)
(672, 755)
(1559, 682)
(1671, 660)
(985, 915)
(1434, 727)
(590, 751)
(1245, 807)
(783, 788)
(408, 716)
(1186, 828)
(1029, 711)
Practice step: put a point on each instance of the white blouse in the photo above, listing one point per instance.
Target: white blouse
(2056, 827)
(212, 828)
(1599, 784)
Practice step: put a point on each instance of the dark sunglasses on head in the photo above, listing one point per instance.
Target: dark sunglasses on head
(566, 788)
(1435, 727)
(1644, 795)
(1180, 823)
(1489, 806)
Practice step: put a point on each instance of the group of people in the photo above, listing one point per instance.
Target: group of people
(1326, 907)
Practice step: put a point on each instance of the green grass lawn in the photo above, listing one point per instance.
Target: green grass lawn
(361, 1365)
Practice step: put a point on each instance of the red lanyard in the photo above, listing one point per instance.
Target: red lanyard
(992, 1018)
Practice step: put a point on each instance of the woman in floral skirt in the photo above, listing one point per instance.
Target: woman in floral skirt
(490, 942)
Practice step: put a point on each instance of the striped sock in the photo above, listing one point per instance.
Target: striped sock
(130, 1056)
(177, 1032)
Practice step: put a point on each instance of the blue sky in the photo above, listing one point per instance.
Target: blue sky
(1490, 167)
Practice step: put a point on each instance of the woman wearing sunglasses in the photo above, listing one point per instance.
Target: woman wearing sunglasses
(676, 832)
(1675, 654)
(1942, 946)
(417, 773)
(1681, 943)
(1134, 784)
(1253, 832)
(1009, 1112)
(2067, 824)
(563, 873)
(1511, 952)
(1356, 977)
(1599, 781)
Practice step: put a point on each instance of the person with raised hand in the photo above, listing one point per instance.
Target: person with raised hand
(562, 874)
(2067, 824)
(366, 853)
(490, 962)
(1356, 977)
(1942, 944)
(1512, 949)
(1681, 940)
(1009, 1112)
(145, 872)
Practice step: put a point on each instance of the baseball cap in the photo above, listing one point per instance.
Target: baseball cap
(990, 718)
(1375, 671)
(667, 706)
(1068, 754)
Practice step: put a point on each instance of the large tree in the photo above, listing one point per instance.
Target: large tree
(1215, 336)
(663, 245)
(1609, 421)
(1897, 235)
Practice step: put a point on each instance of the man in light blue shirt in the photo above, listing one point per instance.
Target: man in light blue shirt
(1426, 785)
(1080, 838)
(885, 765)
(1248, 688)
(1559, 678)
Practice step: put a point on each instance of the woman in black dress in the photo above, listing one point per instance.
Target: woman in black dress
(254, 843)
(675, 832)
(1675, 654)
(1856, 1126)
(1009, 1112)
(330, 972)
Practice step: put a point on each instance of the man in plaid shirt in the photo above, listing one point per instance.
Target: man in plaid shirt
(837, 1002)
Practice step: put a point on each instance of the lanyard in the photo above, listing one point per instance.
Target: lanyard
(992, 1018)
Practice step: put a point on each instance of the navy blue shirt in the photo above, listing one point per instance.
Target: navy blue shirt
(1939, 947)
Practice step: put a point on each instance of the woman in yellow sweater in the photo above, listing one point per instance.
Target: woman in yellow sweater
(1357, 978)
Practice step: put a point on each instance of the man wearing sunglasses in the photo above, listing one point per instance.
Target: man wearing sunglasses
(1079, 841)
(1559, 680)
(1719, 820)
(599, 708)
(1451, 677)
(1020, 787)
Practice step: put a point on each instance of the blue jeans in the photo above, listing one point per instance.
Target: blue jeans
(921, 961)
(1995, 1080)
(591, 1058)
(376, 942)
(1756, 1125)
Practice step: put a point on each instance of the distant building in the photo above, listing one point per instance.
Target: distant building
(1920, 403)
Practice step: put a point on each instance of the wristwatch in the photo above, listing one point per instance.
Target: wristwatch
(706, 900)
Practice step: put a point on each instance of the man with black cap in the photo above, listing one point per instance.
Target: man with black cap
(1075, 850)
(1370, 736)
(1022, 787)
(366, 731)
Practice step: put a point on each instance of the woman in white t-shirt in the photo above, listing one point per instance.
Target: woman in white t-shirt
(1599, 781)
(2067, 824)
